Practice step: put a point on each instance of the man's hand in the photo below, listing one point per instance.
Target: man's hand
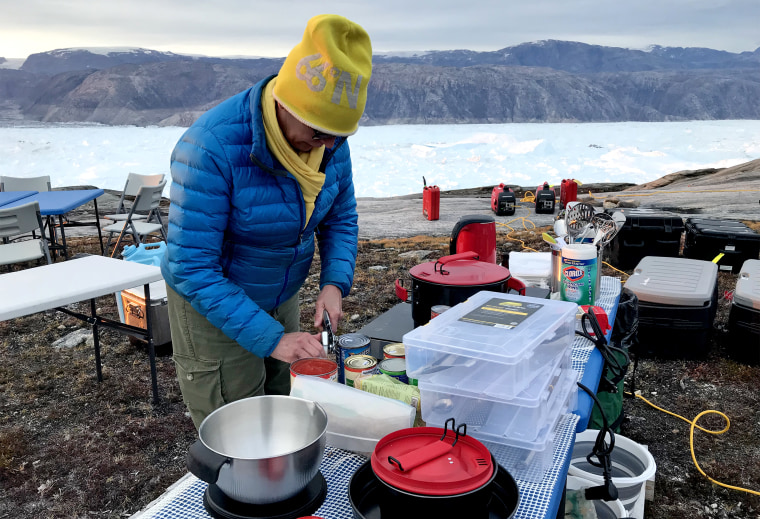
(298, 345)
(330, 299)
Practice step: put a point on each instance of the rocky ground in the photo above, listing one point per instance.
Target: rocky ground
(73, 447)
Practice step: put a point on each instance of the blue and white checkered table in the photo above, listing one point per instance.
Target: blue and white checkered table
(184, 500)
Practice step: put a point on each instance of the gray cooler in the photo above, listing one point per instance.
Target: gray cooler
(744, 317)
(678, 298)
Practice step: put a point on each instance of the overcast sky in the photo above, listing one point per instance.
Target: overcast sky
(272, 27)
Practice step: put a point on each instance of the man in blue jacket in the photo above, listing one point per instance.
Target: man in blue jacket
(254, 181)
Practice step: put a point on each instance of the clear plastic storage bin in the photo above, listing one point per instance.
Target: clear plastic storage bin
(527, 460)
(521, 417)
(493, 343)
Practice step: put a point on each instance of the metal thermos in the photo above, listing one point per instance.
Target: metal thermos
(554, 278)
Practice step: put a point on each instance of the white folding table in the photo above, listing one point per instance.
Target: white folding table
(56, 285)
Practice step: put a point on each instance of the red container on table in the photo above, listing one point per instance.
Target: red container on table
(431, 201)
(568, 192)
(475, 233)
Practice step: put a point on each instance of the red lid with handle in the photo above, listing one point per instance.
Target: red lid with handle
(461, 269)
(424, 461)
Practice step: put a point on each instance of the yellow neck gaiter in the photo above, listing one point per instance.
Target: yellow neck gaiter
(303, 165)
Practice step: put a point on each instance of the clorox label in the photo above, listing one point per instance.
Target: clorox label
(573, 273)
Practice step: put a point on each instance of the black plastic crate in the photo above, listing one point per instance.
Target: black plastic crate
(744, 317)
(678, 299)
(646, 232)
(744, 334)
(707, 238)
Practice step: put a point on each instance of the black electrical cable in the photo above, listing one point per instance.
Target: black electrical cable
(603, 452)
(617, 368)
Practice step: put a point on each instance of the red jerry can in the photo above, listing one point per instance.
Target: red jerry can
(431, 201)
(568, 192)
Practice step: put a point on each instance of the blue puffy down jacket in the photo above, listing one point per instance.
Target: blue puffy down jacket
(237, 245)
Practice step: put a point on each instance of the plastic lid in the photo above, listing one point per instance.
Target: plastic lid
(460, 270)
(420, 461)
(747, 293)
(674, 281)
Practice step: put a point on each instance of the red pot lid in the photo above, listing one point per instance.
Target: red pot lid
(419, 461)
(460, 270)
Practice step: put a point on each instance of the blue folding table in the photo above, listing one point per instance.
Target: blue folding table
(58, 203)
(8, 197)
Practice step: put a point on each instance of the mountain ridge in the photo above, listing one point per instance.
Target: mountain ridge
(546, 81)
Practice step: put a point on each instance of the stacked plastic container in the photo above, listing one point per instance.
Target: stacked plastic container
(501, 364)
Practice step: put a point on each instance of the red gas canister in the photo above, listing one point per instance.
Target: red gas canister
(568, 192)
(431, 201)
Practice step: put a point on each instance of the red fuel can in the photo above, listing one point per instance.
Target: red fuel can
(431, 202)
(568, 192)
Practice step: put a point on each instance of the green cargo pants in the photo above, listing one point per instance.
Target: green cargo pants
(212, 369)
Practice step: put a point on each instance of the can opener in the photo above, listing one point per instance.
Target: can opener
(328, 337)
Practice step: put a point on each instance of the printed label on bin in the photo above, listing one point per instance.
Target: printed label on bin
(501, 313)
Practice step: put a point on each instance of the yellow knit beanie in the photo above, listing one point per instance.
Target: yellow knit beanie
(323, 81)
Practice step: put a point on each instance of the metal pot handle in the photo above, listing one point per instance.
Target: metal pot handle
(453, 257)
(204, 463)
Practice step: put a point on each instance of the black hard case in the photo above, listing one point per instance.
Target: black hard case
(744, 316)
(646, 232)
(706, 238)
(677, 303)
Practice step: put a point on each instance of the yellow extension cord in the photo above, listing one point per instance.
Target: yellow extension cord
(693, 424)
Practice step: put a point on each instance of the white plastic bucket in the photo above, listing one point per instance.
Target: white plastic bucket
(604, 509)
(632, 466)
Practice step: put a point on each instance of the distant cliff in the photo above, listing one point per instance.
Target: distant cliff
(550, 81)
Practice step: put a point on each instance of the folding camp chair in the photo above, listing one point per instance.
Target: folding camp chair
(18, 220)
(146, 203)
(131, 188)
(41, 183)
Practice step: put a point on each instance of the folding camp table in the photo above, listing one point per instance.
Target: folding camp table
(8, 197)
(58, 203)
(538, 500)
(56, 285)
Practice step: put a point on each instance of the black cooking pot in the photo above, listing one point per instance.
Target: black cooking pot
(449, 281)
(417, 473)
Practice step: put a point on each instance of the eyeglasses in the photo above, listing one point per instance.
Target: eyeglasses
(319, 136)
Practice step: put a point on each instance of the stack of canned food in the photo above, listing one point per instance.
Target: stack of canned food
(355, 360)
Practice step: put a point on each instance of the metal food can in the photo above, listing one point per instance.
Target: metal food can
(348, 345)
(358, 365)
(395, 368)
(438, 310)
(314, 367)
(394, 350)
